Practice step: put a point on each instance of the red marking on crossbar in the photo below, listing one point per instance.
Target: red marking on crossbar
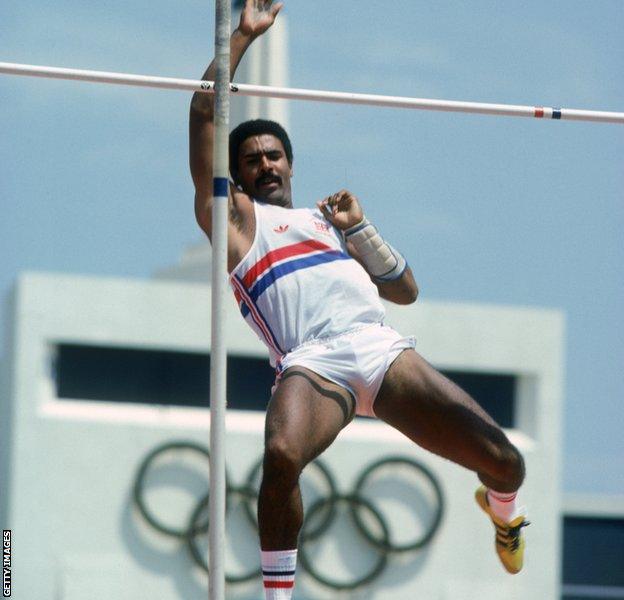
(539, 112)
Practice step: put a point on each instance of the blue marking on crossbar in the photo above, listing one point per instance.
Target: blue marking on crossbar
(220, 187)
(556, 113)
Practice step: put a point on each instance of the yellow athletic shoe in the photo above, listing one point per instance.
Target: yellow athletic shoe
(509, 538)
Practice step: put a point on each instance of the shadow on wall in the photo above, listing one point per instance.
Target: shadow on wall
(161, 556)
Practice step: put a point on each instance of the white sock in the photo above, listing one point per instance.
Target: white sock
(502, 505)
(278, 574)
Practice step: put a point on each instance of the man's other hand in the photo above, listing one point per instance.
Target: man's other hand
(257, 16)
(342, 209)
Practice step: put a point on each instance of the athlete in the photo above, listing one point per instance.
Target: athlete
(309, 282)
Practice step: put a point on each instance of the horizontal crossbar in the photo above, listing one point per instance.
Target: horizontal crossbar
(509, 110)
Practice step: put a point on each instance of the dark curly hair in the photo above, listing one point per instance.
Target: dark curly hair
(248, 129)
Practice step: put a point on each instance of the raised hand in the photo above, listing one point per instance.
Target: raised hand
(342, 209)
(257, 16)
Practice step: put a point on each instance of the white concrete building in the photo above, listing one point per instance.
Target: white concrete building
(101, 371)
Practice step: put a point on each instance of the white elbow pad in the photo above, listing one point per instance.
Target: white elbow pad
(381, 260)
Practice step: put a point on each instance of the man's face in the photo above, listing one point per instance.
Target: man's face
(263, 170)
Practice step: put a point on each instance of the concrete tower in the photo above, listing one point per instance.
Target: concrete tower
(265, 63)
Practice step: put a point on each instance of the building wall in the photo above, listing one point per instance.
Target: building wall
(69, 491)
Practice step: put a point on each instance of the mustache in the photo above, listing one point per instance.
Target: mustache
(268, 178)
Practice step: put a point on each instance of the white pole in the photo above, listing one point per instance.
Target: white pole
(509, 110)
(218, 351)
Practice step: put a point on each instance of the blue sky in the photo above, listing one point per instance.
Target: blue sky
(94, 179)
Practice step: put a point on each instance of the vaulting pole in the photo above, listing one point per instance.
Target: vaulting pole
(218, 352)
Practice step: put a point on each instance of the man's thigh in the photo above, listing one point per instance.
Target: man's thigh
(437, 414)
(306, 412)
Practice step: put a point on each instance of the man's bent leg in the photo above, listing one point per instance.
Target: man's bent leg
(439, 416)
(304, 416)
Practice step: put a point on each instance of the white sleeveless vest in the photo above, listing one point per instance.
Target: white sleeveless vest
(297, 282)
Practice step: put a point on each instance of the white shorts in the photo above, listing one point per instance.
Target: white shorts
(357, 361)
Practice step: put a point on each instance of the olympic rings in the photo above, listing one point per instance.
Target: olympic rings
(319, 516)
(139, 484)
(351, 501)
(386, 544)
(245, 493)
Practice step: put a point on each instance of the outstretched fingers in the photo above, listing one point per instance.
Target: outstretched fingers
(258, 15)
(276, 8)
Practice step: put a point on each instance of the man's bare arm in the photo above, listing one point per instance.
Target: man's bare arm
(257, 16)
